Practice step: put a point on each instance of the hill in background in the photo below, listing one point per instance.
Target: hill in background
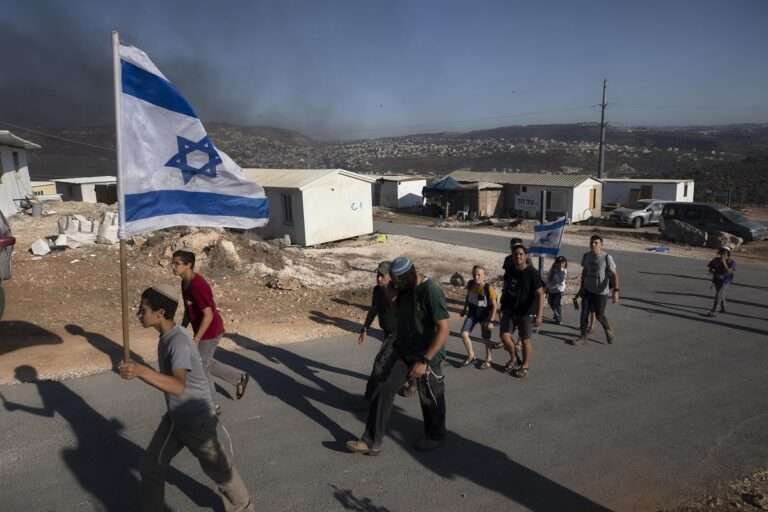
(720, 158)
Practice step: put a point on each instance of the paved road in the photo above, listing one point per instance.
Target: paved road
(676, 405)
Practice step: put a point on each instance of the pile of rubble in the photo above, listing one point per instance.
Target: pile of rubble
(276, 263)
(687, 234)
(76, 231)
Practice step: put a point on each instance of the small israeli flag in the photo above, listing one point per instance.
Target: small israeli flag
(170, 173)
(547, 238)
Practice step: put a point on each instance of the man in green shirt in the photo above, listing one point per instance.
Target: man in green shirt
(422, 329)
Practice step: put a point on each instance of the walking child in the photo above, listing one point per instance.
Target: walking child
(207, 324)
(479, 308)
(382, 306)
(599, 279)
(722, 269)
(522, 307)
(190, 421)
(556, 281)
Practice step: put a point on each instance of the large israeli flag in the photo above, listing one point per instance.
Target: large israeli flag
(547, 237)
(170, 173)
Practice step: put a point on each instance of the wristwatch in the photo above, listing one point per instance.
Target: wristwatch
(425, 360)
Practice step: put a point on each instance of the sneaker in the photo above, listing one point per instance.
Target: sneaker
(427, 445)
(361, 447)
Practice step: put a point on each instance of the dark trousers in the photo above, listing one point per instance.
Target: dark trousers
(593, 303)
(431, 396)
(720, 289)
(555, 302)
(379, 362)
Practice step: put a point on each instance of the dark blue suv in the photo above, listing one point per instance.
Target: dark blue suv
(714, 217)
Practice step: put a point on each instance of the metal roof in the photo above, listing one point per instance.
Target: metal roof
(644, 180)
(297, 178)
(511, 178)
(87, 180)
(401, 177)
(9, 139)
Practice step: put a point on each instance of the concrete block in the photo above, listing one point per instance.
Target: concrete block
(40, 247)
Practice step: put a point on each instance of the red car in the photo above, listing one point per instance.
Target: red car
(6, 250)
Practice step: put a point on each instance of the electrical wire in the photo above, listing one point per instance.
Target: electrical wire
(63, 139)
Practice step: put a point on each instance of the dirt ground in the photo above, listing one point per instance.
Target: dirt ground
(63, 309)
(748, 494)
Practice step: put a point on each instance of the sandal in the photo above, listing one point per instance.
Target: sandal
(485, 365)
(240, 388)
(510, 366)
(520, 373)
(468, 361)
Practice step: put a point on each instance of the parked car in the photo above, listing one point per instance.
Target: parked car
(6, 249)
(715, 217)
(642, 212)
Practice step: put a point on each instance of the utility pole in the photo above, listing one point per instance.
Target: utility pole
(543, 221)
(601, 154)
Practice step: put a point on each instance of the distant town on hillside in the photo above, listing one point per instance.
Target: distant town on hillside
(720, 158)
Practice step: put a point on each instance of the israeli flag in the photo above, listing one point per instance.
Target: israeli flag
(170, 173)
(547, 238)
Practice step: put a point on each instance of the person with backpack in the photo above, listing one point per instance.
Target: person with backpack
(599, 279)
(422, 329)
(479, 308)
(722, 269)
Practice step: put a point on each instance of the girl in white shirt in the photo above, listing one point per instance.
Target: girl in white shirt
(558, 273)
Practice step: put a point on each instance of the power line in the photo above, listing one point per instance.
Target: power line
(63, 139)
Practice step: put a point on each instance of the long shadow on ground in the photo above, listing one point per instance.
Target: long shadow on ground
(699, 278)
(460, 458)
(103, 461)
(710, 298)
(15, 335)
(292, 392)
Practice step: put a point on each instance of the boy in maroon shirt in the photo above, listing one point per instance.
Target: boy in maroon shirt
(200, 310)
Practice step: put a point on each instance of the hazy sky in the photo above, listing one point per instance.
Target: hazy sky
(365, 68)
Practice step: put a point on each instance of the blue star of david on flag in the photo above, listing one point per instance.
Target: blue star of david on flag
(186, 147)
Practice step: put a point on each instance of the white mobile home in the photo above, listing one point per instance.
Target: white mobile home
(14, 172)
(314, 206)
(624, 191)
(96, 189)
(576, 197)
(400, 191)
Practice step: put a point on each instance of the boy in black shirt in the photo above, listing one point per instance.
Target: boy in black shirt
(383, 306)
(522, 304)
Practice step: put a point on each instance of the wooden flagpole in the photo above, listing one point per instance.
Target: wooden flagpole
(121, 199)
